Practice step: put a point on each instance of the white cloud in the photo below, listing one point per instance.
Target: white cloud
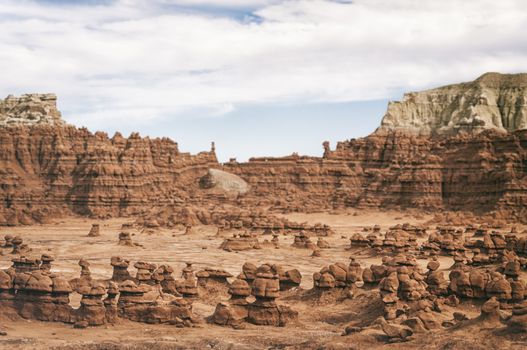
(137, 59)
(221, 3)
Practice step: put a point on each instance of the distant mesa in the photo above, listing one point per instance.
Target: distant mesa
(493, 101)
(30, 109)
(475, 162)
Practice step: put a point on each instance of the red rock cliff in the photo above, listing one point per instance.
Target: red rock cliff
(481, 166)
(476, 172)
(45, 170)
(459, 147)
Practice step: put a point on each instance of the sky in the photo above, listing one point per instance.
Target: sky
(258, 77)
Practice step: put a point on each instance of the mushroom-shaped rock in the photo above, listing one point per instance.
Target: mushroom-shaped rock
(490, 311)
(46, 260)
(85, 268)
(266, 285)
(39, 282)
(120, 269)
(125, 239)
(500, 288)
(354, 273)
(240, 288)
(248, 272)
(225, 315)
(324, 280)
(60, 285)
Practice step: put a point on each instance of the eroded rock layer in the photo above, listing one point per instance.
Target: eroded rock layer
(46, 169)
(479, 172)
(30, 109)
(469, 153)
(493, 101)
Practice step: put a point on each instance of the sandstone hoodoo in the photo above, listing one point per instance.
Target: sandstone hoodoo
(416, 233)
(94, 231)
(265, 310)
(234, 312)
(120, 269)
(125, 239)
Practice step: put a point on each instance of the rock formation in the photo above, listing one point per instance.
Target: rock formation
(457, 147)
(238, 242)
(125, 239)
(223, 183)
(265, 310)
(120, 269)
(493, 101)
(94, 231)
(391, 169)
(234, 312)
(30, 109)
(50, 169)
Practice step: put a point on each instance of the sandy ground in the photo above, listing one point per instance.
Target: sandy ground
(67, 240)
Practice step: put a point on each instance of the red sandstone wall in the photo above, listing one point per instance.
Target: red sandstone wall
(478, 173)
(45, 170)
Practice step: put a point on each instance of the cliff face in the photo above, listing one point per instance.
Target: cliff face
(461, 147)
(474, 172)
(493, 101)
(48, 170)
(30, 109)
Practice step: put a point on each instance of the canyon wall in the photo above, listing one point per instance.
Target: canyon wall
(460, 147)
(473, 172)
(493, 101)
(47, 171)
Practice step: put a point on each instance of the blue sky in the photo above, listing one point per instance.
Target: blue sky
(259, 77)
(262, 130)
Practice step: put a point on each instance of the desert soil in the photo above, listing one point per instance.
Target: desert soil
(319, 322)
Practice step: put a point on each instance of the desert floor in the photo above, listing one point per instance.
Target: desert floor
(320, 323)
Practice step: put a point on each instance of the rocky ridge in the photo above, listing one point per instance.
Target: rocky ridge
(469, 153)
(474, 172)
(493, 101)
(48, 170)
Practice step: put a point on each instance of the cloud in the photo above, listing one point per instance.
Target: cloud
(222, 3)
(138, 60)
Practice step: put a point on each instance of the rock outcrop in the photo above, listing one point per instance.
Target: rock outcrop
(30, 109)
(459, 147)
(493, 101)
(472, 172)
(223, 183)
(49, 168)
